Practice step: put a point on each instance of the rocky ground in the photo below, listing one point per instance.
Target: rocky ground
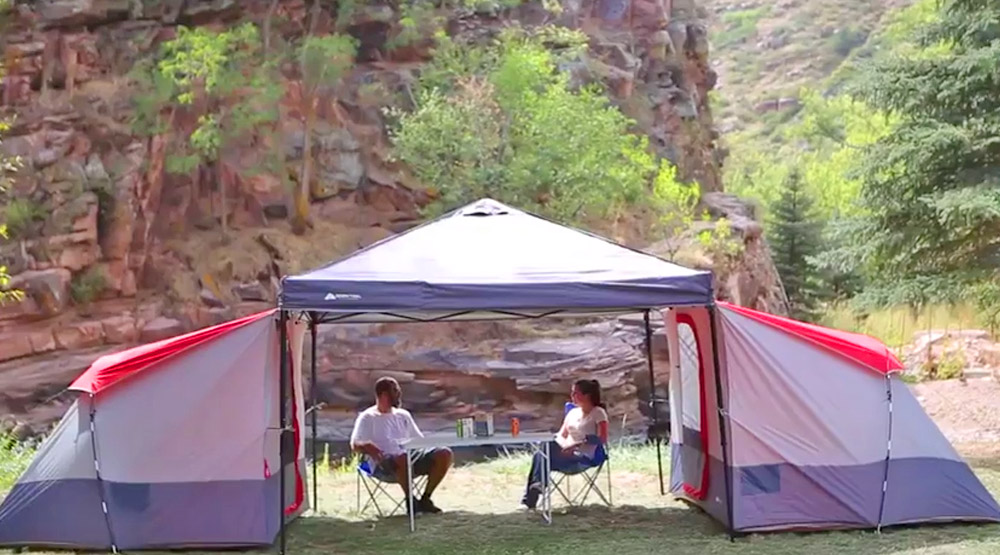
(967, 412)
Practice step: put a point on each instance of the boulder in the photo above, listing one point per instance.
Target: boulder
(79, 256)
(48, 289)
(160, 328)
(203, 11)
(251, 291)
(747, 277)
(70, 13)
(22, 431)
(42, 341)
(120, 329)
(117, 277)
(209, 299)
(15, 346)
(80, 335)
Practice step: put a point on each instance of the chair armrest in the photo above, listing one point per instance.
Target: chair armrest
(593, 440)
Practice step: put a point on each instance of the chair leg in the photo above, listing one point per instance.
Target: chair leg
(371, 495)
(608, 463)
(556, 485)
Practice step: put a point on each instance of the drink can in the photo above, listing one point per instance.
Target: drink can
(515, 427)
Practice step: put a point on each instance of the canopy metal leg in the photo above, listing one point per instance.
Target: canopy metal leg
(313, 409)
(652, 399)
(723, 415)
(282, 423)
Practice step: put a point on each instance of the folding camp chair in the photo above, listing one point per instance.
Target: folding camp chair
(375, 486)
(590, 473)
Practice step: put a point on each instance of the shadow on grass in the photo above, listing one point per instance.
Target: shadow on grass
(619, 530)
(991, 463)
(588, 529)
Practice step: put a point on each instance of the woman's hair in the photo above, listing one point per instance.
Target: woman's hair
(592, 389)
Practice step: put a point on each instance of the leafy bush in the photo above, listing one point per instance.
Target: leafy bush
(843, 41)
(20, 216)
(88, 286)
(14, 459)
(503, 121)
(949, 366)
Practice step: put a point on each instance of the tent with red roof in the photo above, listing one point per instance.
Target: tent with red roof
(170, 444)
(815, 429)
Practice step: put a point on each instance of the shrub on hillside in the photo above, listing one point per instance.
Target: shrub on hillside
(504, 121)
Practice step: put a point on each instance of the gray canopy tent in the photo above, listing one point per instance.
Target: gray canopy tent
(486, 261)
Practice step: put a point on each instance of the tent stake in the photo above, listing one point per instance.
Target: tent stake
(652, 398)
(282, 380)
(712, 312)
(312, 403)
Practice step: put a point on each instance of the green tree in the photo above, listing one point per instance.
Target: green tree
(323, 61)
(795, 237)
(503, 121)
(219, 78)
(930, 191)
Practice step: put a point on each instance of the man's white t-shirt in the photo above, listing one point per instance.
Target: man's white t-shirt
(385, 429)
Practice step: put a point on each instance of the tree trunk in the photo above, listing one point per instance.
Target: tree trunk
(267, 27)
(300, 219)
(223, 200)
(300, 216)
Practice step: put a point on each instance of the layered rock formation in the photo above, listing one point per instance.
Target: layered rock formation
(522, 370)
(113, 250)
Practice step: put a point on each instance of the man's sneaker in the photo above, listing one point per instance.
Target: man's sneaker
(425, 505)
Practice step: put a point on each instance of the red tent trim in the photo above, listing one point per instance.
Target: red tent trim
(863, 349)
(700, 492)
(111, 369)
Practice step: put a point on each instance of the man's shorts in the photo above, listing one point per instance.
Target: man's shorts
(422, 461)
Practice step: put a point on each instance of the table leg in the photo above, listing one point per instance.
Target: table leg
(409, 489)
(547, 490)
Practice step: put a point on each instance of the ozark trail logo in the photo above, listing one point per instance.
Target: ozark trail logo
(341, 297)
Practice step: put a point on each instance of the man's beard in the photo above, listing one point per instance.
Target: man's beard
(396, 402)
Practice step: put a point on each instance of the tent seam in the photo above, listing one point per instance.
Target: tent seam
(888, 455)
(97, 473)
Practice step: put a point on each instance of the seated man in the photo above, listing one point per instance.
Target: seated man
(378, 432)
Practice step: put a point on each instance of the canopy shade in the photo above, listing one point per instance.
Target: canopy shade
(490, 261)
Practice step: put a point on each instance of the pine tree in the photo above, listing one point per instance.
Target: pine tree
(795, 237)
(930, 228)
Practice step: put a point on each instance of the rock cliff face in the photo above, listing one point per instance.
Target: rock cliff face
(113, 250)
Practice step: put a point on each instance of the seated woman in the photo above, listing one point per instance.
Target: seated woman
(571, 450)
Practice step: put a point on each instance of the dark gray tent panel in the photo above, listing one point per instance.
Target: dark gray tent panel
(488, 260)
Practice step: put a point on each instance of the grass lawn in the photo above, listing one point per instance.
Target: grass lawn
(482, 516)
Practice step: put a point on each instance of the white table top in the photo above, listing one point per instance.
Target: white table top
(452, 440)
